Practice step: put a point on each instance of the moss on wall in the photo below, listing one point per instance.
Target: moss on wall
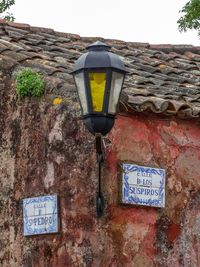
(29, 83)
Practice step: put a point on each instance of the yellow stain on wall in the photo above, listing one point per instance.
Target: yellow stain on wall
(57, 101)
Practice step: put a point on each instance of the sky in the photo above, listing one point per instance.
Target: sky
(151, 21)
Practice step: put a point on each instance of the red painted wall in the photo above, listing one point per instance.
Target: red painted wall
(157, 236)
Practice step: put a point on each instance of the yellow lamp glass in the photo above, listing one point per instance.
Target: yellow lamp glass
(97, 86)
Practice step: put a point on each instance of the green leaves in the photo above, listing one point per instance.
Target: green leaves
(4, 6)
(191, 17)
(29, 83)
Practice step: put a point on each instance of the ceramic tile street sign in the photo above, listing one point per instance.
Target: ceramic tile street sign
(143, 185)
(40, 215)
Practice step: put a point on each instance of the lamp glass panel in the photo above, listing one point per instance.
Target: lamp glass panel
(116, 86)
(80, 84)
(97, 86)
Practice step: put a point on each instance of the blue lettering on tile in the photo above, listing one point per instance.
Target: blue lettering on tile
(40, 215)
(143, 185)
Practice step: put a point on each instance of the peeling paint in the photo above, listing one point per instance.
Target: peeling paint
(56, 132)
(49, 178)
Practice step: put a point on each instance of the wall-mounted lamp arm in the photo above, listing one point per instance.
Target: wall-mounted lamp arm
(100, 159)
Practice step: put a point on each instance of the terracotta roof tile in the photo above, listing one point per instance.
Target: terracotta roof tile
(163, 79)
(7, 63)
(19, 57)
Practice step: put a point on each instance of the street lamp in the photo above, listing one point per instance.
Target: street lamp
(99, 76)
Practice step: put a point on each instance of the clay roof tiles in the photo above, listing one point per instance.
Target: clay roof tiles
(163, 79)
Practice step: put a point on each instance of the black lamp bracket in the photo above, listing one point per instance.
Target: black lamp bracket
(100, 159)
(99, 147)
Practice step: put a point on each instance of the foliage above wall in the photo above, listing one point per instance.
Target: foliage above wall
(4, 7)
(191, 16)
(29, 83)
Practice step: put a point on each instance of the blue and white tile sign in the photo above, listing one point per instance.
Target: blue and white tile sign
(40, 215)
(143, 186)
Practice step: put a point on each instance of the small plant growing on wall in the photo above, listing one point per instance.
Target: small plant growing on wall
(29, 83)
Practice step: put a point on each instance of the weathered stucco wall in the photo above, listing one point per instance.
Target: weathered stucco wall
(45, 149)
(152, 236)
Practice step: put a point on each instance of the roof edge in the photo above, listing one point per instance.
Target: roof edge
(167, 48)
